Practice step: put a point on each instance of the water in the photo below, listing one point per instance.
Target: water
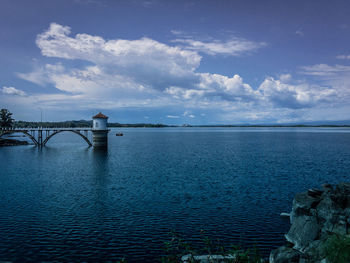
(68, 202)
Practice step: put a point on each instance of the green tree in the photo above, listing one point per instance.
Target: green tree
(6, 120)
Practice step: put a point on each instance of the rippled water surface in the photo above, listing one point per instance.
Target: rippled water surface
(67, 202)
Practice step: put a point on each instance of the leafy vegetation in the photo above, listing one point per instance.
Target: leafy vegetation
(337, 249)
(178, 247)
(6, 120)
(82, 124)
(62, 124)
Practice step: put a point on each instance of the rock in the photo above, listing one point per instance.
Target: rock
(314, 192)
(304, 229)
(316, 215)
(284, 255)
(327, 187)
(303, 202)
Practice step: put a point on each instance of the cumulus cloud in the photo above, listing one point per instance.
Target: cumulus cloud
(143, 55)
(142, 68)
(144, 61)
(282, 94)
(13, 91)
(335, 76)
(119, 73)
(216, 87)
(232, 47)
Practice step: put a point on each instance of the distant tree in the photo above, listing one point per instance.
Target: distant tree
(6, 120)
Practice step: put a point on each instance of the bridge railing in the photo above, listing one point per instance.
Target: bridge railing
(45, 129)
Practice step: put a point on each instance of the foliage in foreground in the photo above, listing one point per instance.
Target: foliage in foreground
(178, 247)
(337, 249)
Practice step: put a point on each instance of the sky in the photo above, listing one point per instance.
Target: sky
(176, 62)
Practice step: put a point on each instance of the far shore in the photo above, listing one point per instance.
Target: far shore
(88, 124)
(12, 142)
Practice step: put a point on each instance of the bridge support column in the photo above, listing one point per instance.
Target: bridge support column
(40, 137)
(100, 138)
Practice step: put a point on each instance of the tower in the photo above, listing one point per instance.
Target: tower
(99, 131)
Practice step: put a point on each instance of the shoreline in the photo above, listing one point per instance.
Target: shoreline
(12, 142)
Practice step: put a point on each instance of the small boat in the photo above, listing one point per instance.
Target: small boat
(118, 134)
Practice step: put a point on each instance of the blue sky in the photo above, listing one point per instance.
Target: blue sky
(176, 62)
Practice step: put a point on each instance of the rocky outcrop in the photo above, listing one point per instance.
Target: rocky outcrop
(316, 216)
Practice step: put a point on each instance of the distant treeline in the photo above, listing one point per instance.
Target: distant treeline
(84, 123)
(81, 123)
(271, 126)
(60, 124)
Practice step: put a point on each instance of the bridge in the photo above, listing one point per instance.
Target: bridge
(40, 136)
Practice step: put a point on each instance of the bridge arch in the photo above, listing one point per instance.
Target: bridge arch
(24, 132)
(74, 131)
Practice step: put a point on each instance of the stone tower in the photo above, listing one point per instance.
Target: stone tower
(99, 131)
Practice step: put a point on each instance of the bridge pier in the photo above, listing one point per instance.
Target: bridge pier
(100, 138)
(40, 137)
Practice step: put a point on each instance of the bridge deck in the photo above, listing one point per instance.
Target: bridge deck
(46, 129)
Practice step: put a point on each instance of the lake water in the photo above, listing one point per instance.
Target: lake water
(69, 202)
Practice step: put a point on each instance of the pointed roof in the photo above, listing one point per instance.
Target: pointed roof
(100, 116)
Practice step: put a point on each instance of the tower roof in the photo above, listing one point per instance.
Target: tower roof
(100, 116)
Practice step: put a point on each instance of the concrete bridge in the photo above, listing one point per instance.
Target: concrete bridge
(40, 136)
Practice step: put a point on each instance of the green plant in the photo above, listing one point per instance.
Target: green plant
(177, 247)
(250, 255)
(337, 249)
(6, 120)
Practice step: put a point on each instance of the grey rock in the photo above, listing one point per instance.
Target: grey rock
(315, 216)
(303, 202)
(304, 229)
(315, 192)
(284, 255)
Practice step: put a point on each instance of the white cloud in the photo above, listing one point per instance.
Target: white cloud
(335, 76)
(216, 87)
(144, 61)
(294, 96)
(13, 91)
(343, 57)
(324, 70)
(188, 114)
(42, 75)
(55, 42)
(232, 47)
(141, 69)
(299, 33)
(177, 32)
(226, 88)
(145, 73)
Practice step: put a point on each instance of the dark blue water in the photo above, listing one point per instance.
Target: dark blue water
(67, 202)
